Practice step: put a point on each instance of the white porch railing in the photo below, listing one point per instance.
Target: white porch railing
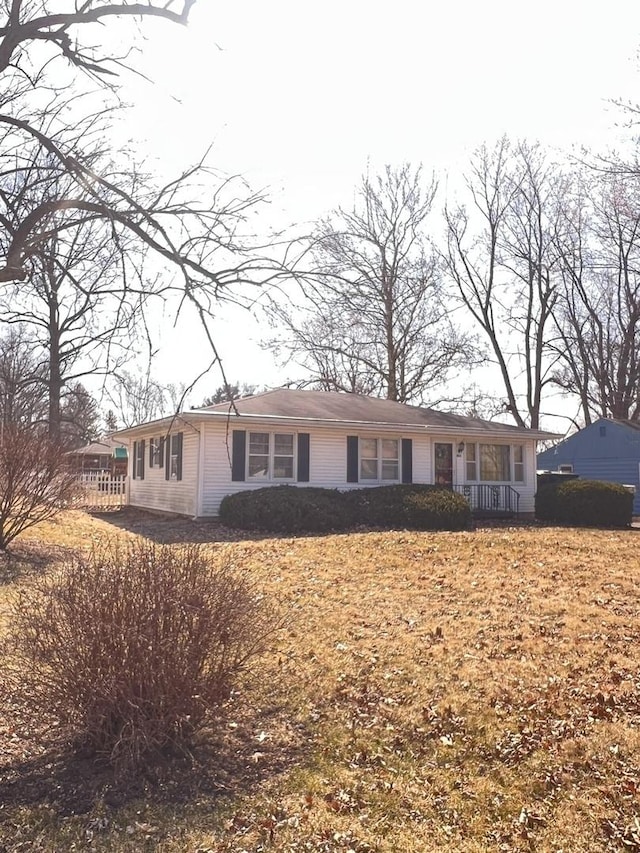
(101, 491)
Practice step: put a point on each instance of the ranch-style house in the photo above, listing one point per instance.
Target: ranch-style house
(187, 463)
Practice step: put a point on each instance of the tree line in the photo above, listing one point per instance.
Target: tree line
(92, 241)
(532, 266)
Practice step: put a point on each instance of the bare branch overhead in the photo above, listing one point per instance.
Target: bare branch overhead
(29, 22)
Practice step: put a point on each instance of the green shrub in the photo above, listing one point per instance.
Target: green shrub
(419, 507)
(134, 648)
(286, 509)
(545, 502)
(588, 503)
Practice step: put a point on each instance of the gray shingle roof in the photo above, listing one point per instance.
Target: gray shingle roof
(101, 447)
(354, 408)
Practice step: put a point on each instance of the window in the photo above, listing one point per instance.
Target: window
(172, 448)
(369, 459)
(259, 454)
(138, 460)
(492, 463)
(565, 469)
(495, 462)
(156, 452)
(518, 463)
(283, 456)
(175, 458)
(472, 465)
(271, 456)
(379, 459)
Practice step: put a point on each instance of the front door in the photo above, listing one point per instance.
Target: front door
(443, 469)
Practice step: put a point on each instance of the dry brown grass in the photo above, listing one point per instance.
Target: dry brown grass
(464, 692)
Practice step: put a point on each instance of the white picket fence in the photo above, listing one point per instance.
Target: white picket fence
(101, 491)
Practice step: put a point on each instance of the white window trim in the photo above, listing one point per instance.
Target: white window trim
(512, 464)
(272, 442)
(523, 446)
(379, 481)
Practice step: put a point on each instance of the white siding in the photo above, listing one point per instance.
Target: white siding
(328, 461)
(528, 488)
(157, 493)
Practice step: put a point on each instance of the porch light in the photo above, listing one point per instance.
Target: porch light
(460, 448)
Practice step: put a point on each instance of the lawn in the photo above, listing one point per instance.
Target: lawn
(457, 691)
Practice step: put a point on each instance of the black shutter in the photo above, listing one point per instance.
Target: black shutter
(151, 446)
(161, 452)
(142, 459)
(352, 459)
(167, 458)
(238, 454)
(303, 457)
(134, 460)
(407, 460)
(178, 441)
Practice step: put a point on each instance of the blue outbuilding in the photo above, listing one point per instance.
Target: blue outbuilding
(606, 450)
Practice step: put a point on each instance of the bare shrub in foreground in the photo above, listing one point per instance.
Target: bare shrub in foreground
(35, 483)
(133, 647)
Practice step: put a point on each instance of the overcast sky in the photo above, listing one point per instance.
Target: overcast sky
(300, 96)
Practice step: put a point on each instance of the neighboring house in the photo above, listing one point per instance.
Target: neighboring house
(107, 456)
(187, 463)
(606, 450)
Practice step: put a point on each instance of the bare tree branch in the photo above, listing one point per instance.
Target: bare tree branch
(25, 23)
(373, 320)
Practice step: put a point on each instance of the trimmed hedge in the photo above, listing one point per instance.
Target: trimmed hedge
(286, 509)
(419, 507)
(289, 509)
(585, 503)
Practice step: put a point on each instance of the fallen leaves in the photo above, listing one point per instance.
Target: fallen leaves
(447, 691)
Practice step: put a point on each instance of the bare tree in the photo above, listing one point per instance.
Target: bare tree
(598, 313)
(23, 379)
(503, 261)
(59, 27)
(137, 398)
(83, 297)
(35, 483)
(373, 319)
(193, 223)
(34, 36)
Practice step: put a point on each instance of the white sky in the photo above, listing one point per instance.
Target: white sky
(299, 96)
